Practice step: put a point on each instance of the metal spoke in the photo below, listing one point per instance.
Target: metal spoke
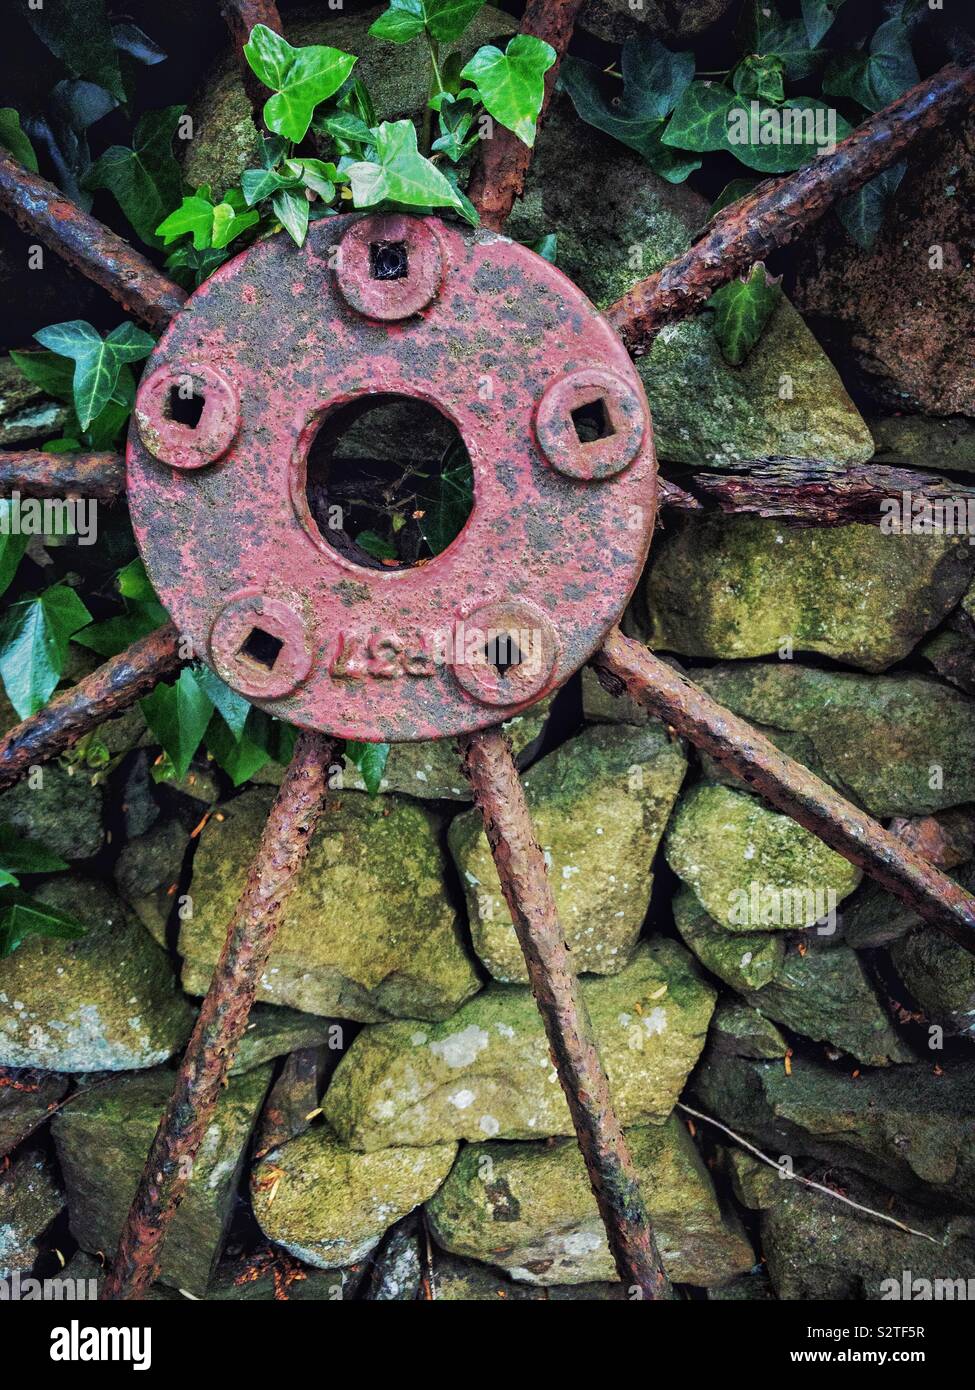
(109, 690)
(778, 210)
(500, 797)
(34, 473)
(625, 665)
(223, 1015)
(43, 211)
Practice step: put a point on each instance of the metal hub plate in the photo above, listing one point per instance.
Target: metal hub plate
(504, 346)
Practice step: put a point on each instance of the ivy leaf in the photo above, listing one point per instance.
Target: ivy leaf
(455, 120)
(12, 547)
(862, 213)
(370, 759)
(444, 20)
(375, 545)
(97, 361)
(53, 374)
(320, 176)
(291, 209)
(760, 76)
(72, 107)
(79, 33)
(731, 192)
(190, 267)
(257, 184)
(741, 310)
(512, 83)
(14, 139)
(232, 708)
(700, 118)
(20, 856)
(401, 174)
(144, 180)
(346, 127)
(301, 78)
(653, 82)
(34, 645)
(21, 917)
(547, 247)
(178, 715)
(143, 613)
(746, 123)
(818, 17)
(212, 226)
(239, 757)
(876, 78)
(767, 32)
(447, 499)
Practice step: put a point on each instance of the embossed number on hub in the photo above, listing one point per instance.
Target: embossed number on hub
(384, 655)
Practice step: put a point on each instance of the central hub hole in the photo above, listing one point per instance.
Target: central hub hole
(185, 405)
(261, 647)
(592, 422)
(503, 652)
(388, 260)
(389, 481)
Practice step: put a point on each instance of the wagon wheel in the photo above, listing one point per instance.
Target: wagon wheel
(479, 690)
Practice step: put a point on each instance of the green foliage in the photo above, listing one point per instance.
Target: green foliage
(14, 139)
(144, 180)
(862, 213)
(370, 759)
(511, 84)
(879, 75)
(21, 917)
(301, 78)
(178, 714)
(446, 499)
(400, 174)
(12, 547)
(741, 310)
(19, 856)
(211, 225)
(80, 34)
(444, 20)
(141, 614)
(98, 361)
(34, 641)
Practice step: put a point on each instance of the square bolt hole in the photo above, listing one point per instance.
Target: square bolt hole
(503, 652)
(184, 404)
(592, 422)
(388, 260)
(261, 647)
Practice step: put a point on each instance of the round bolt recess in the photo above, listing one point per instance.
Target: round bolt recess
(504, 653)
(544, 564)
(258, 646)
(390, 267)
(591, 423)
(187, 414)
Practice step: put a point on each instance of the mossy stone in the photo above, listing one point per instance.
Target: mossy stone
(529, 1209)
(742, 1031)
(368, 933)
(63, 812)
(742, 586)
(104, 1002)
(899, 745)
(599, 805)
(744, 960)
(330, 1205)
(30, 1199)
(750, 867)
(486, 1072)
(102, 1139)
(940, 975)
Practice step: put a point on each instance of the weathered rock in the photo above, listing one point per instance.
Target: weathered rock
(225, 141)
(786, 399)
(923, 441)
(273, 1275)
(63, 813)
(899, 745)
(599, 805)
(941, 976)
(529, 1209)
(903, 1127)
(147, 873)
(599, 707)
(102, 1139)
(749, 1288)
(27, 416)
(818, 1248)
(743, 1032)
(750, 867)
(369, 932)
(615, 20)
(397, 1270)
(826, 995)
(431, 770)
(272, 1032)
(743, 960)
(486, 1072)
(30, 1199)
(744, 586)
(104, 1002)
(330, 1205)
(900, 314)
(25, 1100)
(468, 1281)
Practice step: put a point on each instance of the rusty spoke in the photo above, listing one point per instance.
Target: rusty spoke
(623, 664)
(109, 690)
(778, 210)
(499, 795)
(34, 473)
(499, 176)
(43, 211)
(223, 1015)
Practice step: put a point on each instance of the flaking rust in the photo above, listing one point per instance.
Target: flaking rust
(554, 419)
